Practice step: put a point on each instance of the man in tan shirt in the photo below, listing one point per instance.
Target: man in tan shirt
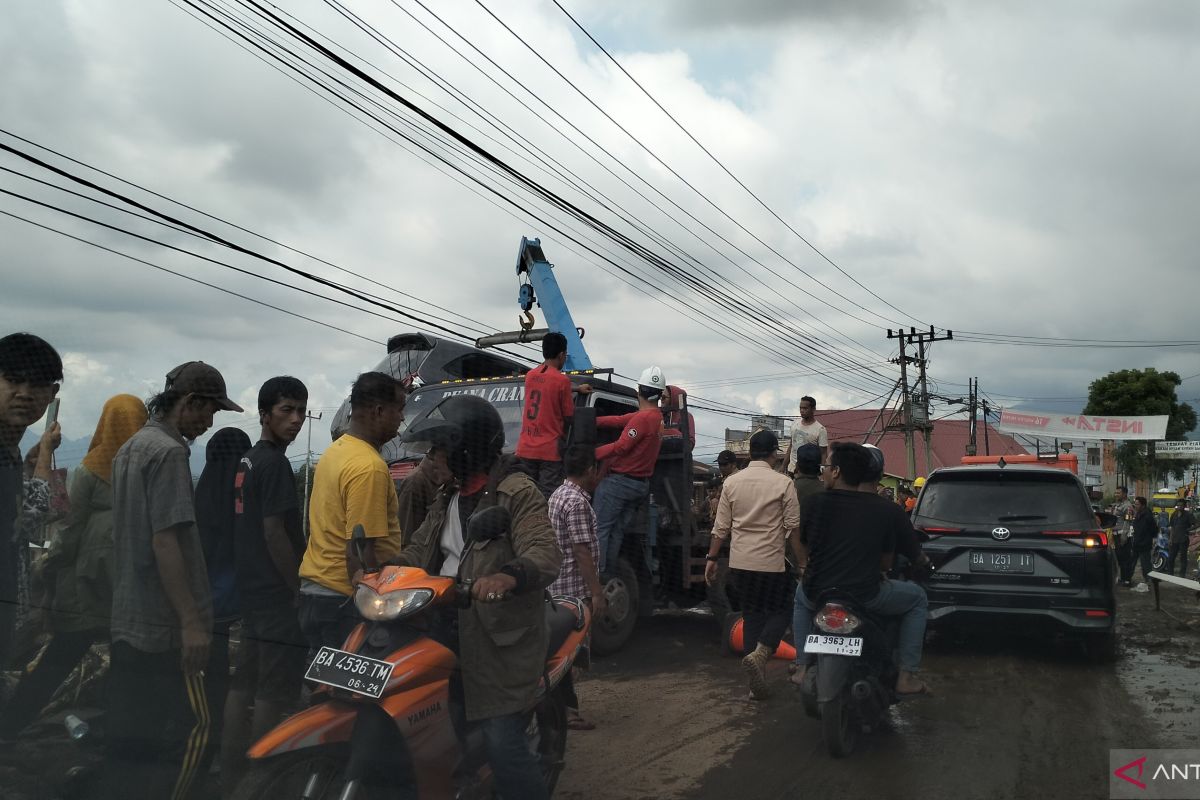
(757, 512)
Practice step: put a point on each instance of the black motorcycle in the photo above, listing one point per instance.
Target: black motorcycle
(850, 681)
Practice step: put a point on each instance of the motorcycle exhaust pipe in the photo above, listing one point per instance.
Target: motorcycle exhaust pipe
(863, 695)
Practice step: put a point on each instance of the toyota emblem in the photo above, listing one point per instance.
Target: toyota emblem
(1000, 534)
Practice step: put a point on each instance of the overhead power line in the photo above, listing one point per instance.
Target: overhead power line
(724, 168)
(540, 191)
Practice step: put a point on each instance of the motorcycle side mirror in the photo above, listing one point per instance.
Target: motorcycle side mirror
(489, 523)
(1106, 519)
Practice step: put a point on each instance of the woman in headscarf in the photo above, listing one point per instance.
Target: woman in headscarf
(77, 566)
(216, 512)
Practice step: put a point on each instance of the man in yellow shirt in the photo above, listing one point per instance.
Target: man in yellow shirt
(351, 487)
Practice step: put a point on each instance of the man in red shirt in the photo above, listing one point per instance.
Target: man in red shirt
(630, 460)
(549, 407)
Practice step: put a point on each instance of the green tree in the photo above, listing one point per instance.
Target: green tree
(1141, 392)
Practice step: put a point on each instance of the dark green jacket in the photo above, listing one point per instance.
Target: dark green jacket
(80, 559)
(502, 644)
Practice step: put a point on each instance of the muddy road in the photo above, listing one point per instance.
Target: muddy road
(1012, 717)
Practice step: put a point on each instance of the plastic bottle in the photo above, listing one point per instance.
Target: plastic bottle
(76, 728)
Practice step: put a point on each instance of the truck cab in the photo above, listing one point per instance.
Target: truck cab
(662, 553)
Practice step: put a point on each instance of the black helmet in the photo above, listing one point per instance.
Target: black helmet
(468, 428)
(875, 473)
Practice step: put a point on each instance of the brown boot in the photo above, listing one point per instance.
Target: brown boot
(755, 667)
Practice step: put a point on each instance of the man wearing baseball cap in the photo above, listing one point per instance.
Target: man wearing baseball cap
(158, 719)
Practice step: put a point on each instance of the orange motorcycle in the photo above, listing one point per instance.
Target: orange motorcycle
(387, 719)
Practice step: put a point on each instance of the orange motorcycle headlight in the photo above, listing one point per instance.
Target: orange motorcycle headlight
(390, 606)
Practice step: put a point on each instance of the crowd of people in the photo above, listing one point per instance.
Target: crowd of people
(161, 570)
(828, 515)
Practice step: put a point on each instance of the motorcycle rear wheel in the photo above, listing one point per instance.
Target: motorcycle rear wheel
(1158, 561)
(287, 776)
(837, 726)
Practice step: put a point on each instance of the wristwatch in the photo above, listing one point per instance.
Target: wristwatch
(710, 557)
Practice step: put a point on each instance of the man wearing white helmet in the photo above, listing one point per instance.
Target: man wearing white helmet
(630, 460)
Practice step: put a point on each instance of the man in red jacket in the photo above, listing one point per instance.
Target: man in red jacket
(630, 460)
(549, 409)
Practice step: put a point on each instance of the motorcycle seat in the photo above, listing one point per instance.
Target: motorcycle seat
(560, 622)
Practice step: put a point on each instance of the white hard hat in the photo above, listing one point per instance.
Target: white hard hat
(652, 378)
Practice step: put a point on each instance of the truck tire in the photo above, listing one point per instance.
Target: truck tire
(613, 629)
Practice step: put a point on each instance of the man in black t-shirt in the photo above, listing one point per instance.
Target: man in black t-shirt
(847, 541)
(30, 372)
(269, 543)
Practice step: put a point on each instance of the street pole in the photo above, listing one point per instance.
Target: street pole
(919, 338)
(907, 412)
(308, 467)
(987, 444)
(972, 444)
(928, 428)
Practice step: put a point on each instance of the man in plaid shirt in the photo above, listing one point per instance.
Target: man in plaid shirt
(575, 529)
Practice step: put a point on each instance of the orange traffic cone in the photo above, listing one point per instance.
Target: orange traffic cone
(785, 651)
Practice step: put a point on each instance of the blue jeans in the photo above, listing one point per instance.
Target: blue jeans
(895, 599)
(617, 500)
(515, 768)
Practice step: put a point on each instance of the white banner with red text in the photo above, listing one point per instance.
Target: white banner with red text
(1050, 425)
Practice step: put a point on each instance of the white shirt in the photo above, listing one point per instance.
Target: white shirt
(452, 539)
(812, 433)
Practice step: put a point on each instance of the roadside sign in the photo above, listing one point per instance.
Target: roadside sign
(1182, 450)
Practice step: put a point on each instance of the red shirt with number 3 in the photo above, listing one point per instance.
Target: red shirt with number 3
(548, 404)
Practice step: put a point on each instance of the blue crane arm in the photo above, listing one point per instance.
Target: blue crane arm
(545, 292)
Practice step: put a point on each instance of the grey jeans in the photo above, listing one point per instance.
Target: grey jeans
(895, 599)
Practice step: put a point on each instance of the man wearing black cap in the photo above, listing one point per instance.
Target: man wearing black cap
(808, 471)
(757, 512)
(727, 463)
(158, 718)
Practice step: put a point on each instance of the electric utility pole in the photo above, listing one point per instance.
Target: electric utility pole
(972, 443)
(920, 420)
(308, 467)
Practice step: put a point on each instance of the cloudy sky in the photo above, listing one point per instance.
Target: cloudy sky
(1016, 169)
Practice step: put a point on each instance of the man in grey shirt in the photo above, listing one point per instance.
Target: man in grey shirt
(158, 719)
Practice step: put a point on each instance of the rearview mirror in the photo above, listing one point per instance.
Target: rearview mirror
(1107, 520)
(490, 523)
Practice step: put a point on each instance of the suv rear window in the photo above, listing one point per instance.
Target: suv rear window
(1004, 498)
(508, 398)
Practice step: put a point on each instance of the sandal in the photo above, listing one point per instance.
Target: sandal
(578, 723)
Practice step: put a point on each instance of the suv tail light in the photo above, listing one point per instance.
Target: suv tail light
(834, 618)
(1088, 539)
(934, 533)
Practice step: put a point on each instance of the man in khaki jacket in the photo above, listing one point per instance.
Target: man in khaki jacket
(502, 636)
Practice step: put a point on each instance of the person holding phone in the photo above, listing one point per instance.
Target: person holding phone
(30, 373)
(77, 568)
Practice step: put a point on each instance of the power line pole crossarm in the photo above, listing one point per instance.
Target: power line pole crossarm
(910, 424)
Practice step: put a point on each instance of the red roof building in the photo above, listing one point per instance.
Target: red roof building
(948, 439)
